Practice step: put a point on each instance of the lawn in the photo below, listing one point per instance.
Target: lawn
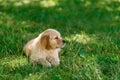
(90, 27)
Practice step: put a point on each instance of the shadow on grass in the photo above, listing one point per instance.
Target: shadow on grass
(65, 13)
(69, 17)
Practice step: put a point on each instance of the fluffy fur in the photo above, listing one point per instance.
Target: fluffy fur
(45, 48)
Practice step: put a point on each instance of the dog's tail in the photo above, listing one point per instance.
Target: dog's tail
(27, 47)
(27, 52)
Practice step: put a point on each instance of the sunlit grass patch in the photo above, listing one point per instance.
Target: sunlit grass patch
(48, 3)
(81, 38)
(13, 61)
(42, 3)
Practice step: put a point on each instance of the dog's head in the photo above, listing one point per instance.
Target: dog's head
(51, 39)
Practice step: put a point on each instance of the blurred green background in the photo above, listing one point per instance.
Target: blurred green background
(90, 27)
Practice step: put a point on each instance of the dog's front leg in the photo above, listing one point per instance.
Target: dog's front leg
(54, 61)
(44, 62)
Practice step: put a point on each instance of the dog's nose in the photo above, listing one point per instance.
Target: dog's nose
(64, 41)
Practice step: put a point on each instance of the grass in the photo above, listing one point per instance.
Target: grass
(91, 29)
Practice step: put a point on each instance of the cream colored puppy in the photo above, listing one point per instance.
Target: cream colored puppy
(45, 48)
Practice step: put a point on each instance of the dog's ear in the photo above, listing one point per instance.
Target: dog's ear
(45, 42)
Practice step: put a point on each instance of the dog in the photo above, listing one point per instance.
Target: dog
(45, 48)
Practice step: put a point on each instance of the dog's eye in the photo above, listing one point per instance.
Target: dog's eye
(56, 37)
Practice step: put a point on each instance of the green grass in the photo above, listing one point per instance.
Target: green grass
(91, 29)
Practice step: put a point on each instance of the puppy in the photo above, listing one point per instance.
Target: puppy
(45, 48)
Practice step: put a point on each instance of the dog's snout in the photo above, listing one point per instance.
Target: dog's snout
(64, 41)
